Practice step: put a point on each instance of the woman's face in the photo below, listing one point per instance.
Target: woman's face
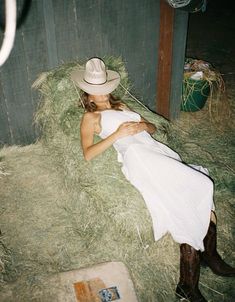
(99, 98)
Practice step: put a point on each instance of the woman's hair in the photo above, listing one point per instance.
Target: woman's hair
(91, 106)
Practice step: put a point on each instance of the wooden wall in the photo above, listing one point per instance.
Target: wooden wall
(57, 31)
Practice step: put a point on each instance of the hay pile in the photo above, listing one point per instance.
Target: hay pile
(61, 213)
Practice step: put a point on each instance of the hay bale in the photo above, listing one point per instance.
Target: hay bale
(107, 216)
(113, 222)
(100, 180)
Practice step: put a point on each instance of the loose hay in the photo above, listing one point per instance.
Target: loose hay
(61, 213)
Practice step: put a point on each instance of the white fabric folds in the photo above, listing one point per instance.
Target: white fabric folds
(179, 197)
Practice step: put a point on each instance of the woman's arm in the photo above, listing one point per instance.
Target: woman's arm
(144, 125)
(147, 126)
(91, 150)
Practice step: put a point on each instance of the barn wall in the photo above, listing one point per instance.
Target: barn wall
(179, 46)
(57, 31)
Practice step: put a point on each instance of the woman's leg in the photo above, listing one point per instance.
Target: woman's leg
(189, 274)
(210, 256)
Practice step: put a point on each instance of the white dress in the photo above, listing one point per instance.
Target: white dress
(179, 197)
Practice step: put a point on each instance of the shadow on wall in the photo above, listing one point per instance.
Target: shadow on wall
(22, 13)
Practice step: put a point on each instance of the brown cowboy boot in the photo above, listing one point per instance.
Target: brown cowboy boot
(189, 274)
(210, 256)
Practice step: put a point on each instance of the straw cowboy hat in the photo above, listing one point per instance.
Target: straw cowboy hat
(95, 79)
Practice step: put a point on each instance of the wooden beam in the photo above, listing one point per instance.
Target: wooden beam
(165, 59)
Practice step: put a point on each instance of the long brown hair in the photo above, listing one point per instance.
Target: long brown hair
(91, 106)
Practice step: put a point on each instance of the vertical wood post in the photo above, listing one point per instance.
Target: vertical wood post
(165, 59)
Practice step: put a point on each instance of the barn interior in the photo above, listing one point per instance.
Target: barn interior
(55, 214)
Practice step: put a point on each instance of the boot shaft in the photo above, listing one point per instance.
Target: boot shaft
(210, 240)
(189, 265)
(210, 256)
(189, 274)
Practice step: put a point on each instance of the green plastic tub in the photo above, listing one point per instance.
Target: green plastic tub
(194, 94)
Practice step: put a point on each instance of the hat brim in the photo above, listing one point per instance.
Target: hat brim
(113, 80)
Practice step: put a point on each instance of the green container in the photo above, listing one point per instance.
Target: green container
(195, 94)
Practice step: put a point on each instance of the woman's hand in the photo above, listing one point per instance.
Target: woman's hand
(130, 128)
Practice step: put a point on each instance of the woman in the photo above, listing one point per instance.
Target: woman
(179, 197)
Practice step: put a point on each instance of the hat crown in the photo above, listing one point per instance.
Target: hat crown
(95, 72)
(95, 78)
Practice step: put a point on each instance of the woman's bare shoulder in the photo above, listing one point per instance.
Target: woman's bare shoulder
(91, 120)
(90, 116)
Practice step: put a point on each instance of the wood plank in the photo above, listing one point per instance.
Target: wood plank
(66, 29)
(165, 59)
(16, 90)
(128, 30)
(90, 36)
(5, 130)
(35, 46)
(48, 12)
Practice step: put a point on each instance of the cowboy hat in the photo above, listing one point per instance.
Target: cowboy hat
(95, 79)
